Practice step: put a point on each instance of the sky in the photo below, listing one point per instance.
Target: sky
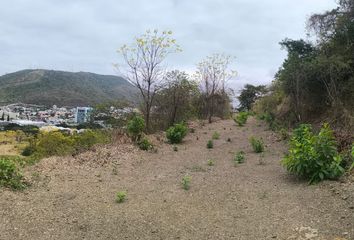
(83, 35)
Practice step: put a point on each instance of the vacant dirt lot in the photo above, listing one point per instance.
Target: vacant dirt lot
(74, 198)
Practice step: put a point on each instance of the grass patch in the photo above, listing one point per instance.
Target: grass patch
(257, 145)
(186, 182)
(121, 196)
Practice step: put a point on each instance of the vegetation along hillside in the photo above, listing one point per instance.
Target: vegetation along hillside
(48, 87)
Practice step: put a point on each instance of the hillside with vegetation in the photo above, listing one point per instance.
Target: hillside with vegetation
(49, 87)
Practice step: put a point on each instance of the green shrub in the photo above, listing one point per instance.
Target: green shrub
(10, 175)
(186, 182)
(239, 157)
(120, 196)
(85, 140)
(58, 144)
(54, 144)
(210, 144)
(135, 128)
(211, 162)
(176, 133)
(216, 136)
(314, 157)
(145, 144)
(28, 151)
(257, 145)
(241, 118)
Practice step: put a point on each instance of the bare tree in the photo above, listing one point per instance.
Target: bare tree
(143, 60)
(213, 73)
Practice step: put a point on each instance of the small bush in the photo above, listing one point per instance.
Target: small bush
(135, 128)
(10, 175)
(144, 144)
(120, 196)
(314, 157)
(176, 133)
(257, 145)
(210, 144)
(216, 136)
(241, 118)
(28, 151)
(186, 182)
(239, 157)
(211, 162)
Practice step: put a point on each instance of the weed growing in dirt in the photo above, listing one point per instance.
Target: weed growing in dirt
(239, 157)
(257, 145)
(120, 196)
(314, 157)
(10, 175)
(211, 162)
(145, 144)
(216, 136)
(241, 118)
(186, 182)
(210, 144)
(176, 133)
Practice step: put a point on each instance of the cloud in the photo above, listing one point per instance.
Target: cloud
(83, 35)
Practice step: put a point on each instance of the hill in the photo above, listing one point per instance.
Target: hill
(49, 87)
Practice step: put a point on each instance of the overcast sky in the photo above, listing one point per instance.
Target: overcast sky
(83, 35)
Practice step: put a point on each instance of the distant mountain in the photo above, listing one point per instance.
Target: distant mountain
(49, 87)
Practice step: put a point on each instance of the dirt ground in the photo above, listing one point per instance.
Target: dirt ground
(74, 198)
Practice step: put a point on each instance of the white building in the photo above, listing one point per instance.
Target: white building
(82, 114)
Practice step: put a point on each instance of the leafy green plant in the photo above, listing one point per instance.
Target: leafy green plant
(314, 157)
(211, 162)
(239, 157)
(210, 144)
(216, 136)
(241, 118)
(10, 175)
(145, 144)
(121, 196)
(257, 145)
(186, 182)
(176, 133)
(135, 128)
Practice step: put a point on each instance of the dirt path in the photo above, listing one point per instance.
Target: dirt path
(74, 198)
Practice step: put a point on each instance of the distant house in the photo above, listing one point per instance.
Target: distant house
(83, 114)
